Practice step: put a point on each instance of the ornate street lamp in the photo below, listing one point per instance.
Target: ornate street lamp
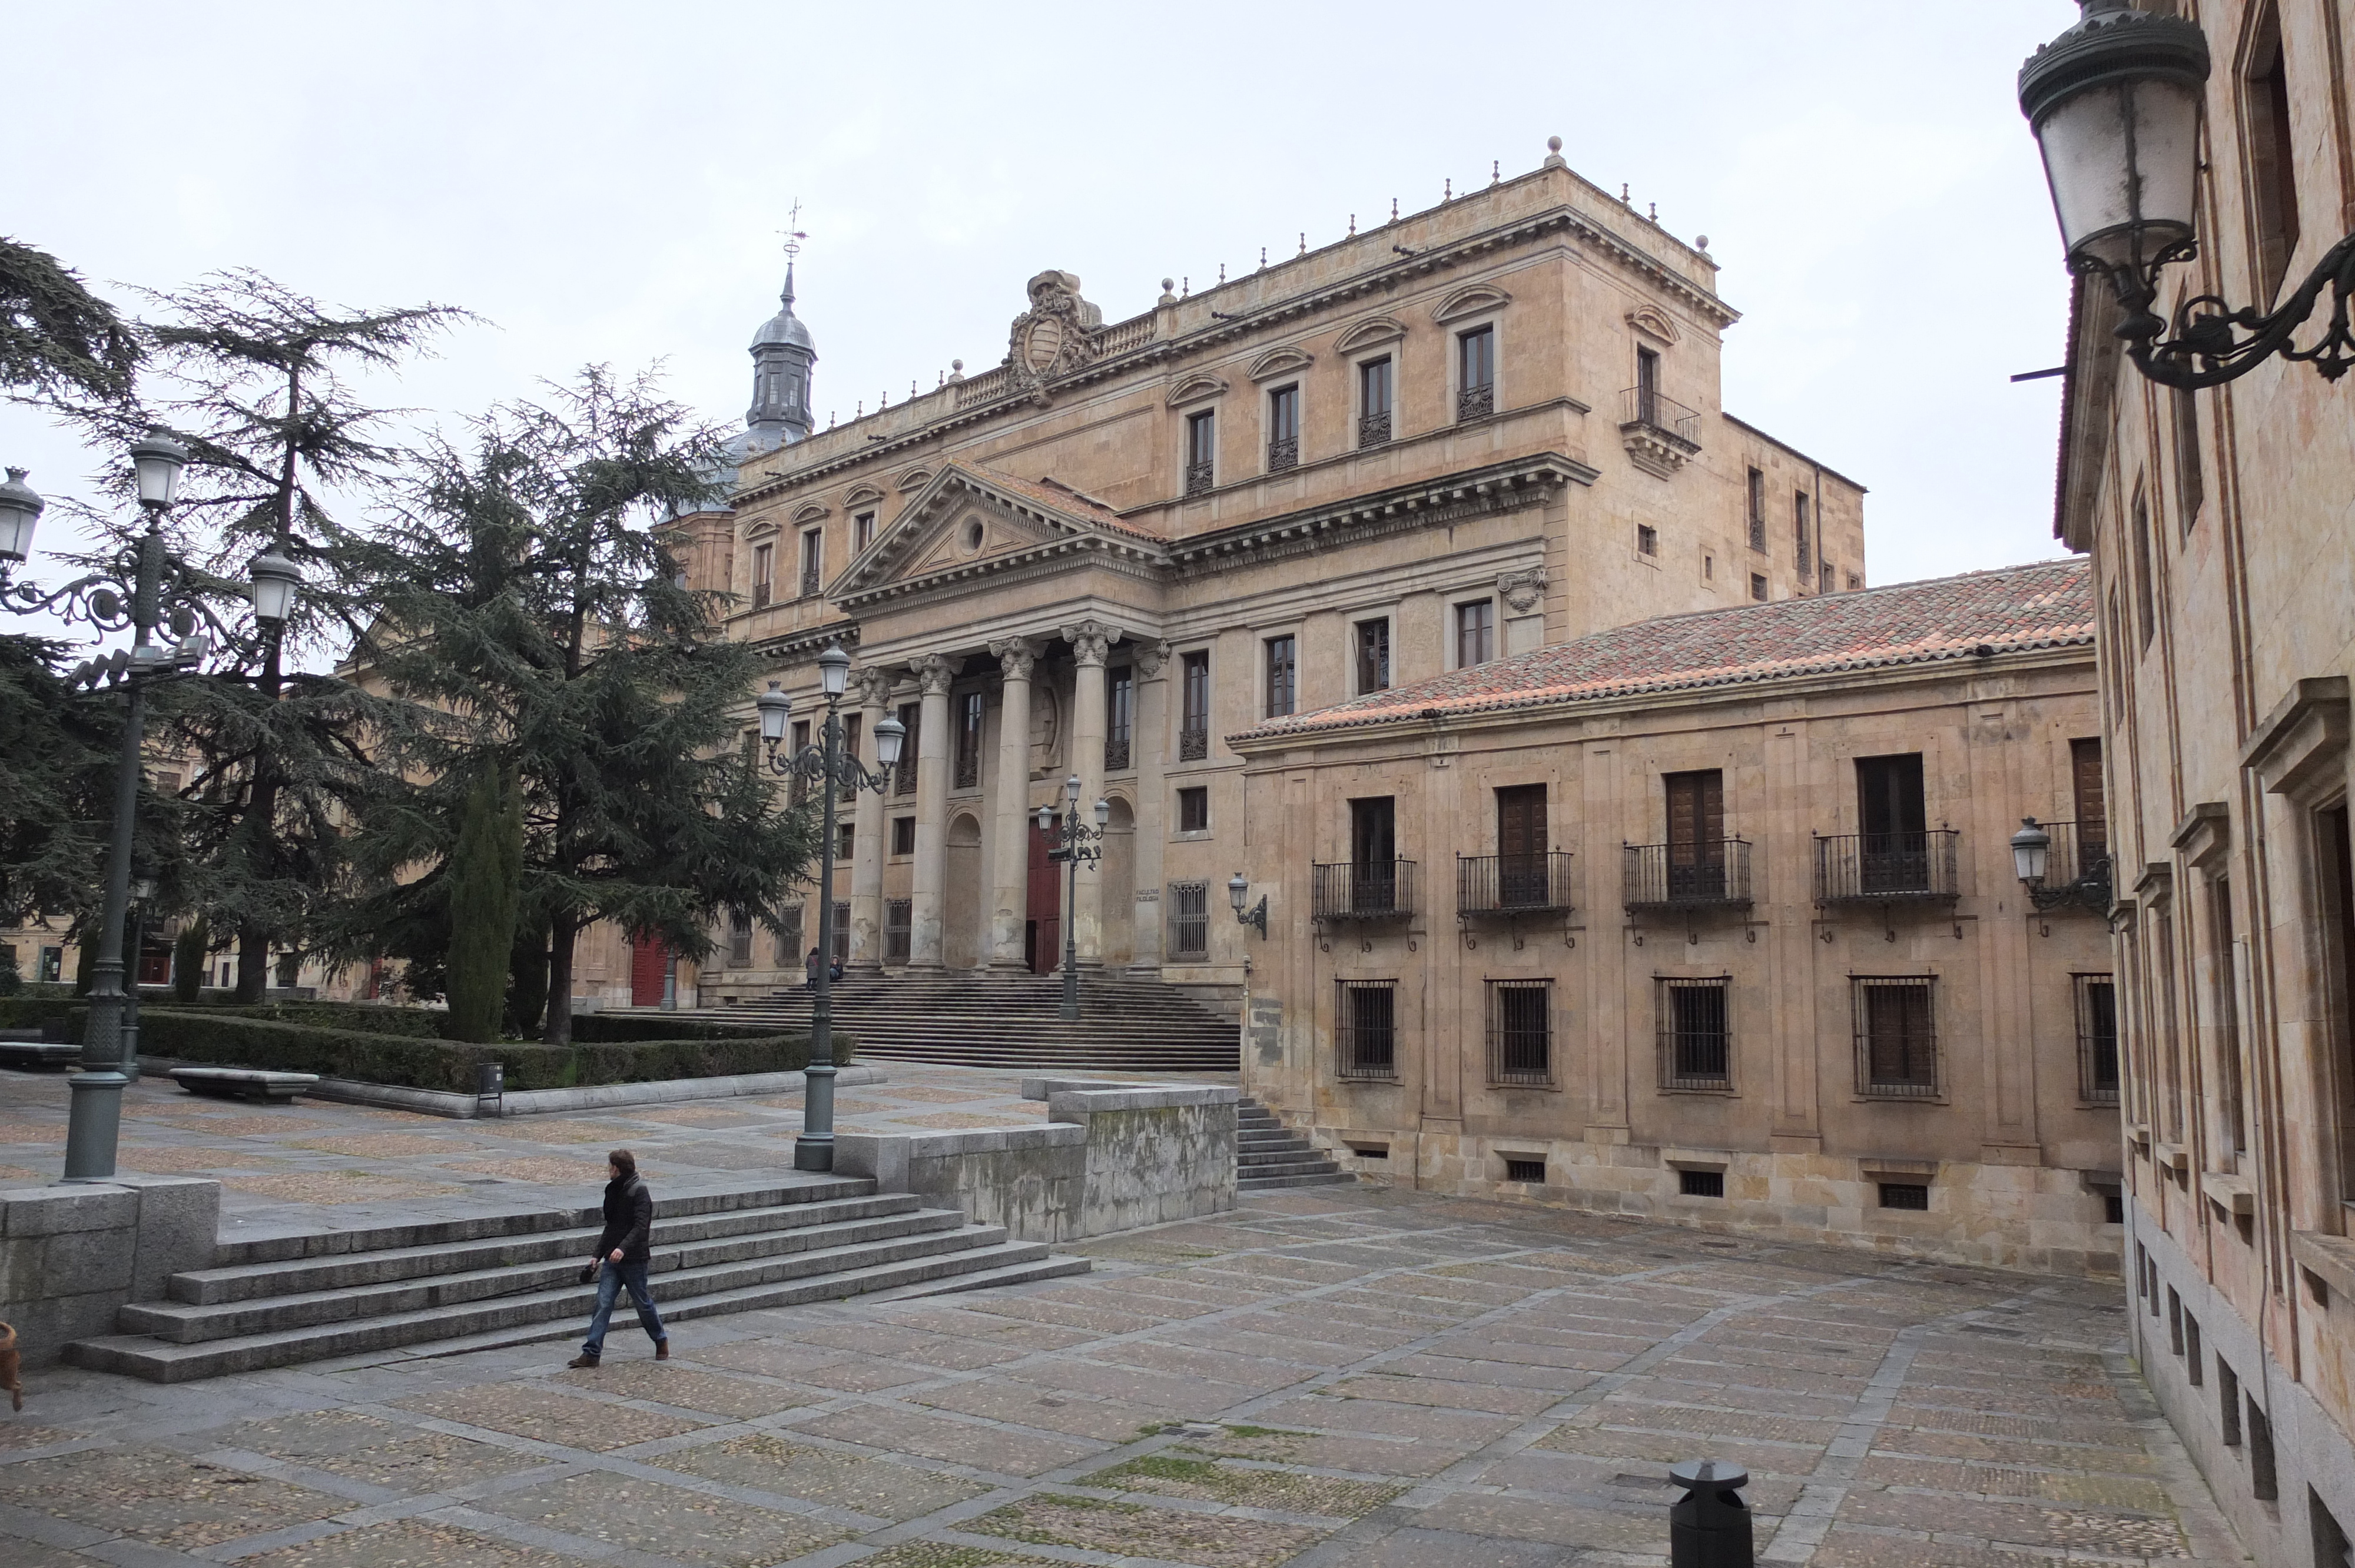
(2031, 860)
(1072, 843)
(834, 771)
(2115, 102)
(20, 509)
(1238, 894)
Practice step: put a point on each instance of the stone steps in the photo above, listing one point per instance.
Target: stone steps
(1270, 1156)
(510, 1279)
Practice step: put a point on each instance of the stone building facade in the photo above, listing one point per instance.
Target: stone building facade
(2219, 524)
(1454, 436)
(1713, 919)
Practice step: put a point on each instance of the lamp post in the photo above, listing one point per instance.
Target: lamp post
(2031, 862)
(1238, 894)
(834, 771)
(136, 595)
(2115, 104)
(1074, 843)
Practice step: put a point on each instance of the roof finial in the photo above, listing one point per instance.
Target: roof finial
(1167, 296)
(1304, 242)
(1553, 159)
(1353, 226)
(795, 235)
(1495, 171)
(1394, 210)
(1262, 257)
(1447, 189)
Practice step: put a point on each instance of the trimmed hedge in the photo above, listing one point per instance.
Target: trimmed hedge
(32, 1011)
(621, 1027)
(214, 1037)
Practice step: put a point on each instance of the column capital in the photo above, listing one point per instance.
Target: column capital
(1148, 659)
(874, 685)
(1015, 656)
(1090, 640)
(934, 673)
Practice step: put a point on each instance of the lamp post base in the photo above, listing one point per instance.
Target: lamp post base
(93, 1118)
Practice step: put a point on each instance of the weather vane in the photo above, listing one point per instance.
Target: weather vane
(794, 234)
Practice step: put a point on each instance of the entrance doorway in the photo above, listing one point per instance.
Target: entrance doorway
(1043, 934)
(649, 961)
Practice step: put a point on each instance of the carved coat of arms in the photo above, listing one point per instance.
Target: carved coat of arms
(1050, 339)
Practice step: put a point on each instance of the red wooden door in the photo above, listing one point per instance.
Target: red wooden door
(648, 963)
(1046, 905)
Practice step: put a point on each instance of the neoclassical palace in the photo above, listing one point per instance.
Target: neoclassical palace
(1449, 439)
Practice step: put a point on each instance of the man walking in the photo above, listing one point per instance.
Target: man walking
(623, 1251)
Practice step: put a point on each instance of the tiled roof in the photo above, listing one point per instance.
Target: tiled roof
(2047, 605)
(1059, 497)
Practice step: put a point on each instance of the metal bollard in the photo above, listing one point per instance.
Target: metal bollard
(490, 1089)
(1709, 1526)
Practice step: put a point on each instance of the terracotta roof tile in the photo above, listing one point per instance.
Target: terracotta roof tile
(2046, 605)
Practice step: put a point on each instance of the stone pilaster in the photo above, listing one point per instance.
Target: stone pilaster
(873, 690)
(1089, 641)
(1010, 813)
(1150, 740)
(933, 674)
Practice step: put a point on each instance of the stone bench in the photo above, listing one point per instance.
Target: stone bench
(26, 1048)
(243, 1083)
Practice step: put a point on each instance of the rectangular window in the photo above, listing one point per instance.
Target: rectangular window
(2145, 589)
(1905, 1196)
(1758, 587)
(2195, 1354)
(1365, 1029)
(1476, 633)
(1120, 717)
(2097, 1039)
(2191, 486)
(1696, 1046)
(1530, 1171)
(1648, 539)
(740, 941)
(2331, 1547)
(1520, 1033)
(813, 557)
(1825, 577)
(2335, 923)
(2091, 801)
(1194, 810)
(1702, 1183)
(1373, 650)
(1476, 373)
(1374, 402)
(1522, 863)
(2272, 167)
(2226, 991)
(841, 931)
(2262, 1484)
(1190, 921)
(2228, 1403)
(1804, 535)
(1648, 387)
(968, 739)
(1896, 1037)
(1754, 497)
(1893, 846)
(1283, 428)
(898, 923)
(852, 726)
(764, 574)
(797, 787)
(903, 777)
(845, 840)
(1696, 803)
(1282, 675)
(1194, 724)
(1201, 451)
(2174, 1322)
(862, 530)
(789, 936)
(903, 835)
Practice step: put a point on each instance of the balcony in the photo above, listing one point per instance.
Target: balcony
(1713, 873)
(1659, 433)
(1376, 890)
(1374, 429)
(2078, 864)
(1887, 868)
(809, 583)
(1283, 453)
(1193, 743)
(1116, 758)
(1474, 403)
(1509, 884)
(1198, 479)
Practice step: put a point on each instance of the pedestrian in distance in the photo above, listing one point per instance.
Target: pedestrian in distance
(810, 964)
(623, 1250)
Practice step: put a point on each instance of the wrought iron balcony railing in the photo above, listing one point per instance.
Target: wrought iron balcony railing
(2079, 863)
(810, 584)
(1877, 868)
(1193, 743)
(1198, 478)
(1644, 406)
(1474, 403)
(1116, 754)
(1373, 429)
(1711, 873)
(1513, 884)
(1283, 454)
(1376, 890)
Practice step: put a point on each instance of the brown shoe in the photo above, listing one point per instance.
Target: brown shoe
(578, 1363)
(661, 1350)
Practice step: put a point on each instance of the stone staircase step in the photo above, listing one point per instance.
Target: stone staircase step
(1288, 1167)
(1337, 1177)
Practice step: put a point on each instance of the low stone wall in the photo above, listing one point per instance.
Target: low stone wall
(1111, 1158)
(71, 1254)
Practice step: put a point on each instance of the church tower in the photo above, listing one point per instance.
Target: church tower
(783, 353)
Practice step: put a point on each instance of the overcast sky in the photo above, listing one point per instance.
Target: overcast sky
(607, 182)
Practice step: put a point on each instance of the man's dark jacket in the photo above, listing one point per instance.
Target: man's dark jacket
(629, 1220)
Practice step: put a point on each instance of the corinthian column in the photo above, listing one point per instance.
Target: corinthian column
(933, 674)
(1090, 640)
(874, 690)
(1152, 735)
(1009, 903)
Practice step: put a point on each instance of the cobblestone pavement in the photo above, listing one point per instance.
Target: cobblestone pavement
(315, 1165)
(1330, 1376)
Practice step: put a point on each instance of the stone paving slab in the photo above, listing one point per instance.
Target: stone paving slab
(1336, 1378)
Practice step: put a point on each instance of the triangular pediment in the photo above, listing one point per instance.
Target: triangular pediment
(968, 521)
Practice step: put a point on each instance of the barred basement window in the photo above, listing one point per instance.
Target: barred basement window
(1189, 920)
(1520, 1033)
(1896, 1037)
(1702, 1183)
(898, 934)
(2097, 1039)
(1904, 1195)
(789, 937)
(1524, 1169)
(1696, 1046)
(841, 931)
(1365, 1029)
(740, 941)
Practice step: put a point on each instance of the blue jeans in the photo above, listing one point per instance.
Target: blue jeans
(609, 1280)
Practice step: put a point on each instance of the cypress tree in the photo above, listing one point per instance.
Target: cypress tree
(484, 869)
(190, 949)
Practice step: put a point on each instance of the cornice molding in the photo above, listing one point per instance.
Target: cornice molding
(811, 641)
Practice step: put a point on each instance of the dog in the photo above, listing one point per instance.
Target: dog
(8, 1360)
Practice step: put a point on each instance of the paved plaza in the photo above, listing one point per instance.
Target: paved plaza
(1328, 1376)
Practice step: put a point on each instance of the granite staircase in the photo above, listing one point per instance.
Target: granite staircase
(1270, 1156)
(994, 1019)
(442, 1287)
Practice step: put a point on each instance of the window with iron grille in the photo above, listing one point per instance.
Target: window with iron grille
(968, 740)
(1201, 449)
(1283, 674)
(2097, 1039)
(1758, 587)
(813, 553)
(1374, 402)
(1756, 494)
(1522, 1169)
(841, 931)
(1896, 1036)
(1476, 373)
(1120, 717)
(1696, 1036)
(1803, 527)
(1189, 920)
(898, 917)
(740, 941)
(904, 777)
(764, 574)
(1365, 1029)
(1194, 810)
(1521, 1033)
(1904, 1195)
(1194, 726)
(789, 937)
(1283, 428)
(1700, 1183)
